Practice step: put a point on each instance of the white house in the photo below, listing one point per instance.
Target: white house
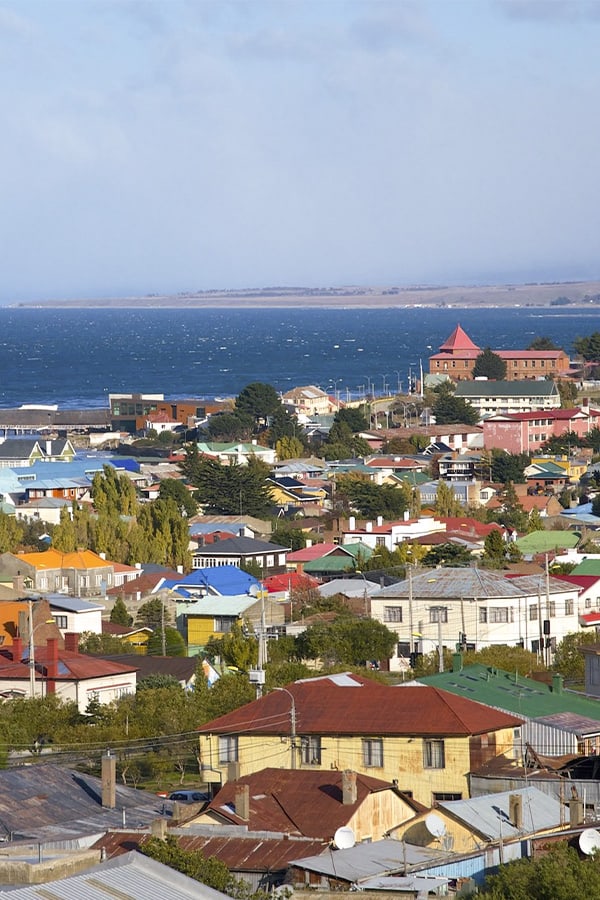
(477, 608)
(74, 615)
(390, 534)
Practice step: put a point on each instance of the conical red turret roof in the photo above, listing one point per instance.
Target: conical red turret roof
(458, 340)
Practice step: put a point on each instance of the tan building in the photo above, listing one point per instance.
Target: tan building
(423, 740)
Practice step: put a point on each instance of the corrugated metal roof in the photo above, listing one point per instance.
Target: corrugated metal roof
(489, 814)
(130, 877)
(454, 583)
(324, 706)
(370, 860)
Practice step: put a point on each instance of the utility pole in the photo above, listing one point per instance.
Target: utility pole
(292, 726)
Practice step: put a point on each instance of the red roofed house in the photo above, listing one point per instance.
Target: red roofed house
(457, 355)
(310, 803)
(527, 432)
(423, 739)
(161, 421)
(588, 601)
(69, 674)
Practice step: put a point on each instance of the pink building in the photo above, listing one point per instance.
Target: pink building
(527, 432)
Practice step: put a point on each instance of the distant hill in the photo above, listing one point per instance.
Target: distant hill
(576, 293)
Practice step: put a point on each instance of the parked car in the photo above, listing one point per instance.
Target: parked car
(190, 796)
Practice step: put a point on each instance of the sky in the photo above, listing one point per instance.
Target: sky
(165, 146)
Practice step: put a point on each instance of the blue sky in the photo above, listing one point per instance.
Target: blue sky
(154, 146)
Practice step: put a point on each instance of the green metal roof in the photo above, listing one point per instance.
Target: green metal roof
(513, 693)
(587, 567)
(331, 563)
(496, 389)
(544, 541)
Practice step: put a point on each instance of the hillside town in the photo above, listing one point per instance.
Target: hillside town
(330, 644)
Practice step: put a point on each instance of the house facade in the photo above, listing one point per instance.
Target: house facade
(390, 534)
(424, 740)
(492, 397)
(527, 432)
(240, 551)
(82, 573)
(478, 608)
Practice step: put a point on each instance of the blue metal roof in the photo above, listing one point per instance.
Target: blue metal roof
(225, 580)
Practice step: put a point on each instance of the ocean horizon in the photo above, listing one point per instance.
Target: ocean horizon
(76, 357)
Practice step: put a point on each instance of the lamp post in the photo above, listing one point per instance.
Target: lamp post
(399, 381)
(32, 630)
(292, 726)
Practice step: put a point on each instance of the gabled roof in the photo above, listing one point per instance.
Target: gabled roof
(146, 583)
(295, 801)
(240, 546)
(511, 389)
(54, 559)
(544, 541)
(223, 580)
(458, 340)
(352, 705)
(452, 582)
(289, 581)
(308, 554)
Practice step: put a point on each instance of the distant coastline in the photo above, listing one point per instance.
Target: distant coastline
(568, 293)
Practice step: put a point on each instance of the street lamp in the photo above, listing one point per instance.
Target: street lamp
(32, 629)
(399, 381)
(292, 725)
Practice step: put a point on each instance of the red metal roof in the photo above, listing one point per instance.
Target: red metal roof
(308, 554)
(289, 581)
(352, 705)
(458, 341)
(295, 801)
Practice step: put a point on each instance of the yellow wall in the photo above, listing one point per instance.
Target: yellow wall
(402, 760)
(139, 642)
(200, 630)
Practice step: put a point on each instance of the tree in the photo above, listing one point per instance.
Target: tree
(447, 503)
(288, 536)
(281, 425)
(237, 648)
(542, 343)
(174, 489)
(489, 365)
(119, 614)
(113, 493)
(504, 656)
(494, 552)
(352, 417)
(559, 874)
(157, 680)
(370, 499)
(562, 443)
(153, 614)
(567, 391)
(258, 400)
(174, 644)
(507, 466)
(588, 347)
(102, 644)
(347, 641)
(289, 448)
(447, 555)
(233, 489)
(64, 538)
(451, 410)
(230, 426)
(11, 533)
(568, 658)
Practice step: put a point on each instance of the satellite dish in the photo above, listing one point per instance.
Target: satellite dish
(344, 838)
(253, 590)
(589, 840)
(435, 826)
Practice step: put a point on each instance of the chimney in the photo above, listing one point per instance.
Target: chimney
(379, 521)
(18, 582)
(109, 781)
(352, 524)
(349, 792)
(242, 801)
(515, 810)
(51, 665)
(48, 448)
(406, 515)
(557, 684)
(72, 642)
(369, 527)
(17, 649)
(575, 812)
(158, 829)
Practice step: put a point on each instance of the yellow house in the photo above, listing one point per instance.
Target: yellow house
(213, 616)
(574, 468)
(135, 638)
(469, 825)
(423, 740)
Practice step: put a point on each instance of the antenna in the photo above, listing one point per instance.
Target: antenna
(589, 841)
(435, 825)
(344, 838)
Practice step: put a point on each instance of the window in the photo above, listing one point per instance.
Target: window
(392, 613)
(372, 752)
(588, 602)
(438, 614)
(433, 755)
(61, 621)
(568, 607)
(380, 541)
(533, 613)
(224, 624)
(228, 748)
(310, 751)
(483, 615)
(552, 609)
(501, 614)
(445, 795)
